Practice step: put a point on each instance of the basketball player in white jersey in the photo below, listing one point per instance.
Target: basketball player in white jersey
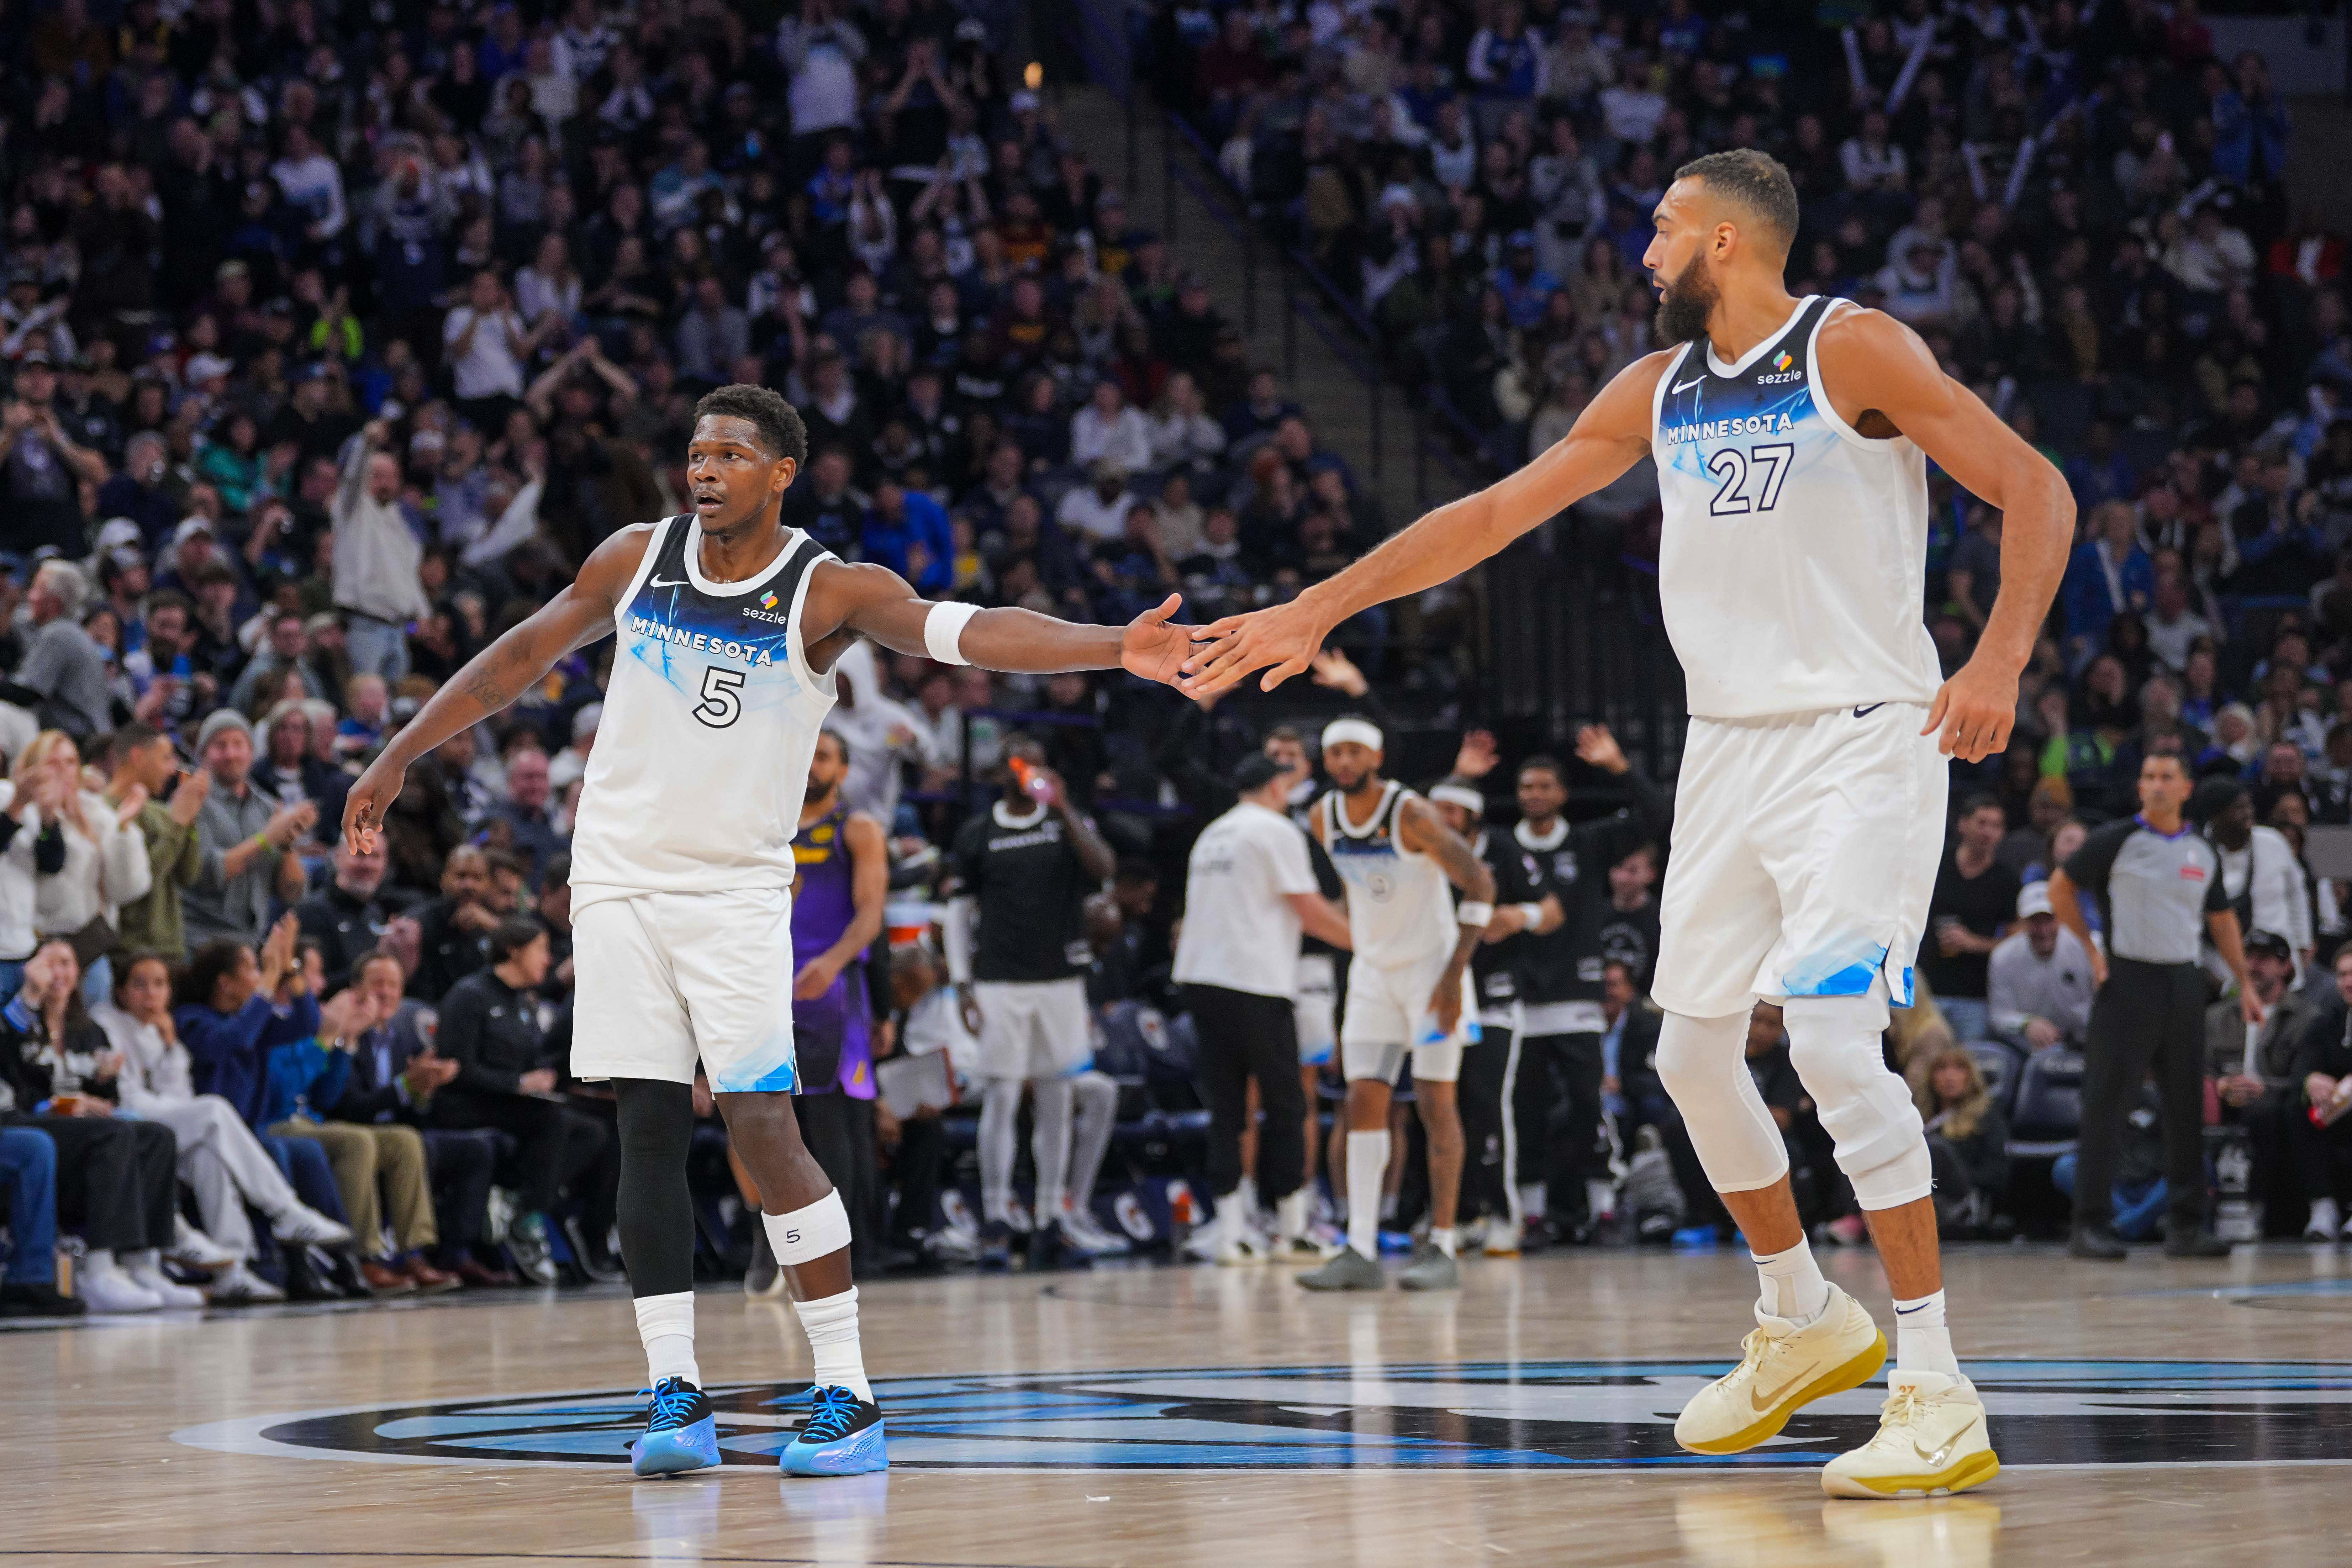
(1792, 439)
(1408, 993)
(730, 624)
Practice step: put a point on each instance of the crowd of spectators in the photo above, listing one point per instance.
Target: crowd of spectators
(335, 337)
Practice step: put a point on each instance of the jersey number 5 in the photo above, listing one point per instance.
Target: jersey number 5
(1731, 466)
(720, 706)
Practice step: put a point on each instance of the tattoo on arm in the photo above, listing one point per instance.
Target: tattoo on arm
(484, 688)
(1442, 844)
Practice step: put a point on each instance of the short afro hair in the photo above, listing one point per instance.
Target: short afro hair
(1756, 182)
(778, 422)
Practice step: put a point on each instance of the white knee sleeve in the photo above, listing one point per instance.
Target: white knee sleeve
(1833, 1043)
(1703, 1062)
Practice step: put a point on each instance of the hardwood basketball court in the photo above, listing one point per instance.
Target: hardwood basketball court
(2154, 1412)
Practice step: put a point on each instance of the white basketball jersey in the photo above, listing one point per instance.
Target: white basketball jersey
(1792, 561)
(701, 759)
(1400, 905)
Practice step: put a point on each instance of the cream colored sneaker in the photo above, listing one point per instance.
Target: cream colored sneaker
(1502, 1239)
(1931, 1439)
(1782, 1371)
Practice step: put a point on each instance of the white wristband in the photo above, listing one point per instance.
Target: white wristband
(943, 630)
(1474, 914)
(1530, 916)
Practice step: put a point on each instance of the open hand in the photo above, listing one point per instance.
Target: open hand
(1155, 650)
(1478, 755)
(1595, 745)
(1286, 636)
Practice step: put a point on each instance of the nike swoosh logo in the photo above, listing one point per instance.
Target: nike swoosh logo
(1936, 1460)
(1867, 713)
(1686, 386)
(680, 582)
(1760, 1402)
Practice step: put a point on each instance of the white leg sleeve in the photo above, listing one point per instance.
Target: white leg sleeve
(1703, 1062)
(1049, 1143)
(999, 1126)
(1097, 1114)
(1833, 1043)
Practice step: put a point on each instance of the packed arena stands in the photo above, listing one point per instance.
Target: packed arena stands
(336, 336)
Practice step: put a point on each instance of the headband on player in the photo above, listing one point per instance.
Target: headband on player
(1469, 800)
(1363, 731)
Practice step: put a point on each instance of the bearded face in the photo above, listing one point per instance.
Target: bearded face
(1686, 303)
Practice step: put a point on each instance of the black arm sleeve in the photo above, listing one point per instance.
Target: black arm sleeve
(2090, 867)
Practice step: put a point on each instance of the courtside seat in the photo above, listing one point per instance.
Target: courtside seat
(2048, 1112)
(1999, 1062)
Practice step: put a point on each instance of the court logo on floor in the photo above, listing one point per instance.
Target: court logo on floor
(1467, 1415)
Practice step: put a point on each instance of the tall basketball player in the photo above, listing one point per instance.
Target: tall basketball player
(1791, 439)
(1409, 994)
(730, 624)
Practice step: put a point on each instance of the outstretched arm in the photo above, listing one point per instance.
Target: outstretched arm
(1610, 436)
(847, 602)
(1893, 375)
(581, 613)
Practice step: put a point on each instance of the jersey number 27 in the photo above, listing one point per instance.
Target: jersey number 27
(1737, 496)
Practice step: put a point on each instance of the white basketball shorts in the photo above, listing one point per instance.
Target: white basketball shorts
(1316, 1011)
(1805, 851)
(665, 978)
(1389, 1013)
(1033, 1028)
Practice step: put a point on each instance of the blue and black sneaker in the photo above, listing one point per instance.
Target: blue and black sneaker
(995, 1246)
(680, 1433)
(843, 1437)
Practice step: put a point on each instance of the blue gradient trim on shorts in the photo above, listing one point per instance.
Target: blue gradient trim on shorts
(784, 1079)
(1848, 970)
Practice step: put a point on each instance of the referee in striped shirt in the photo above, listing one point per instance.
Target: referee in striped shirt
(2160, 881)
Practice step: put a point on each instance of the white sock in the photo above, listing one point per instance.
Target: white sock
(1922, 1343)
(1442, 1237)
(1232, 1218)
(665, 1324)
(1531, 1199)
(1792, 1284)
(148, 1261)
(2323, 1215)
(99, 1261)
(1388, 1207)
(831, 1327)
(1367, 1156)
(1247, 1191)
(1294, 1213)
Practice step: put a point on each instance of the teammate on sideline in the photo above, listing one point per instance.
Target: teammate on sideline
(1490, 1066)
(1792, 439)
(1407, 993)
(730, 624)
(1016, 943)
